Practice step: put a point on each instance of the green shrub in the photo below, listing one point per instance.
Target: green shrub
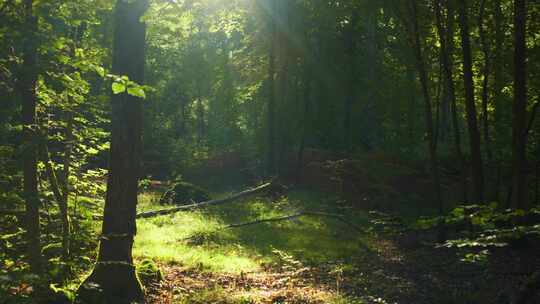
(184, 193)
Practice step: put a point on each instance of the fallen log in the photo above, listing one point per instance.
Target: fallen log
(339, 217)
(214, 202)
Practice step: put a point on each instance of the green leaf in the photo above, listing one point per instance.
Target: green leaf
(136, 91)
(118, 88)
(100, 71)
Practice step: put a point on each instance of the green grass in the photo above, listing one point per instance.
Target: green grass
(307, 239)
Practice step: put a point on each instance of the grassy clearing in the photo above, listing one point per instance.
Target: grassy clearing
(247, 249)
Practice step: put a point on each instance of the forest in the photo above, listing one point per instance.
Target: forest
(269, 151)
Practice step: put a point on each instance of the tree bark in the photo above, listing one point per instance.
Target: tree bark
(519, 110)
(27, 88)
(114, 272)
(472, 121)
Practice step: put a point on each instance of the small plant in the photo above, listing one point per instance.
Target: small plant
(149, 272)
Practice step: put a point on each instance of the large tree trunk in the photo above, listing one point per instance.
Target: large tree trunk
(472, 121)
(519, 160)
(27, 87)
(114, 271)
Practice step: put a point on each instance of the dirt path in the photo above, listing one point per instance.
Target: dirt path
(295, 286)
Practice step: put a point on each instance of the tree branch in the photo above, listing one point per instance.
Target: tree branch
(296, 215)
(204, 204)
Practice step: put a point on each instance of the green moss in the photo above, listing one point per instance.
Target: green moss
(148, 272)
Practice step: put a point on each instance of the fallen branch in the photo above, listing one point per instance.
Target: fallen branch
(296, 215)
(205, 204)
(273, 219)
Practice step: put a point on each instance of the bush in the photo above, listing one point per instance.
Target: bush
(184, 193)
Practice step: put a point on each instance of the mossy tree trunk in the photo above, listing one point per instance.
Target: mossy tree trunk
(114, 273)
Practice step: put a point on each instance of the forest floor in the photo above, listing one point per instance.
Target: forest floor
(309, 259)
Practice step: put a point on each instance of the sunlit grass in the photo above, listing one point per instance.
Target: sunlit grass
(195, 240)
(163, 239)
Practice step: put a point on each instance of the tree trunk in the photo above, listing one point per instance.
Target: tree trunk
(485, 80)
(498, 78)
(66, 224)
(446, 39)
(306, 119)
(271, 157)
(422, 74)
(114, 272)
(519, 142)
(350, 97)
(27, 88)
(472, 121)
(411, 104)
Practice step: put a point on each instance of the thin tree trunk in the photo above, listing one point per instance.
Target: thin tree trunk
(66, 224)
(200, 118)
(350, 97)
(432, 145)
(498, 80)
(306, 119)
(270, 165)
(447, 40)
(519, 135)
(58, 190)
(411, 117)
(27, 87)
(472, 121)
(485, 80)
(114, 271)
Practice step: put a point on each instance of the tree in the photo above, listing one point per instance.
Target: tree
(428, 112)
(519, 123)
(446, 39)
(472, 120)
(271, 108)
(350, 98)
(114, 271)
(485, 79)
(27, 89)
